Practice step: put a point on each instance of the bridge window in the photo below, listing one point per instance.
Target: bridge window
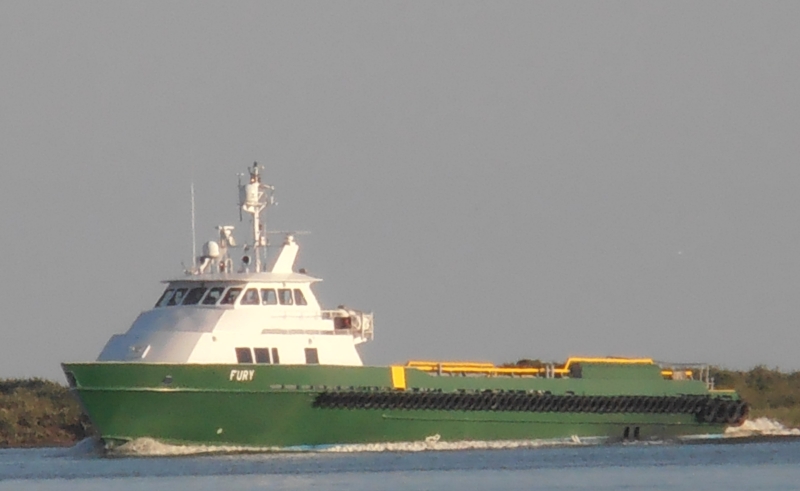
(250, 297)
(299, 299)
(275, 358)
(262, 355)
(244, 355)
(177, 297)
(268, 297)
(162, 302)
(311, 356)
(230, 296)
(285, 296)
(213, 295)
(194, 296)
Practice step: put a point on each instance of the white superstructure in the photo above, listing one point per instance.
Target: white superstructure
(243, 311)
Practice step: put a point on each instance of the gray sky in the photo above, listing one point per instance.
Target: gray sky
(494, 180)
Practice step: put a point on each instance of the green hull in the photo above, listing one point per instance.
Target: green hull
(279, 406)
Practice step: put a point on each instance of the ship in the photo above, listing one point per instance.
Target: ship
(238, 351)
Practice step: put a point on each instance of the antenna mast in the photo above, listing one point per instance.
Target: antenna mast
(254, 198)
(194, 235)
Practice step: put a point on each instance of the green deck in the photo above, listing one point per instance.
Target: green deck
(272, 405)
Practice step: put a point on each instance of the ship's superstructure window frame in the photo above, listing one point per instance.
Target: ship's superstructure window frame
(230, 296)
(312, 357)
(165, 297)
(213, 295)
(299, 298)
(244, 355)
(177, 297)
(262, 355)
(275, 358)
(268, 296)
(250, 297)
(285, 296)
(194, 296)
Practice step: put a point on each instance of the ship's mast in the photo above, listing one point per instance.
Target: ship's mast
(254, 198)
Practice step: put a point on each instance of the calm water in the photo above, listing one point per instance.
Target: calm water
(764, 465)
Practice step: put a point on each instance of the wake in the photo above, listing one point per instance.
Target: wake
(148, 447)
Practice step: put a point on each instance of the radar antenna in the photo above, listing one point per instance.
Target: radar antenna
(254, 198)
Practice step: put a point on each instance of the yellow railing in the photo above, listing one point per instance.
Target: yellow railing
(451, 367)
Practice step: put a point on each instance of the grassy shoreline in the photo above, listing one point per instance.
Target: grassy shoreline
(38, 413)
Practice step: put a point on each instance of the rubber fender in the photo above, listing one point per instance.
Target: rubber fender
(471, 401)
(525, 402)
(445, 400)
(546, 403)
(502, 402)
(742, 410)
(458, 401)
(721, 415)
(428, 401)
(474, 402)
(517, 402)
(365, 401)
(392, 400)
(480, 401)
(709, 411)
(449, 402)
(511, 401)
(732, 412)
(529, 403)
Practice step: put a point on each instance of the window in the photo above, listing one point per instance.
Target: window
(262, 355)
(178, 297)
(275, 358)
(162, 302)
(244, 355)
(311, 356)
(299, 299)
(213, 295)
(230, 296)
(268, 297)
(285, 296)
(194, 296)
(250, 297)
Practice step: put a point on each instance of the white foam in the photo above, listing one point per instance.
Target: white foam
(148, 447)
(760, 427)
(434, 443)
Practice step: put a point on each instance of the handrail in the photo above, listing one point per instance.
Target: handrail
(550, 370)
